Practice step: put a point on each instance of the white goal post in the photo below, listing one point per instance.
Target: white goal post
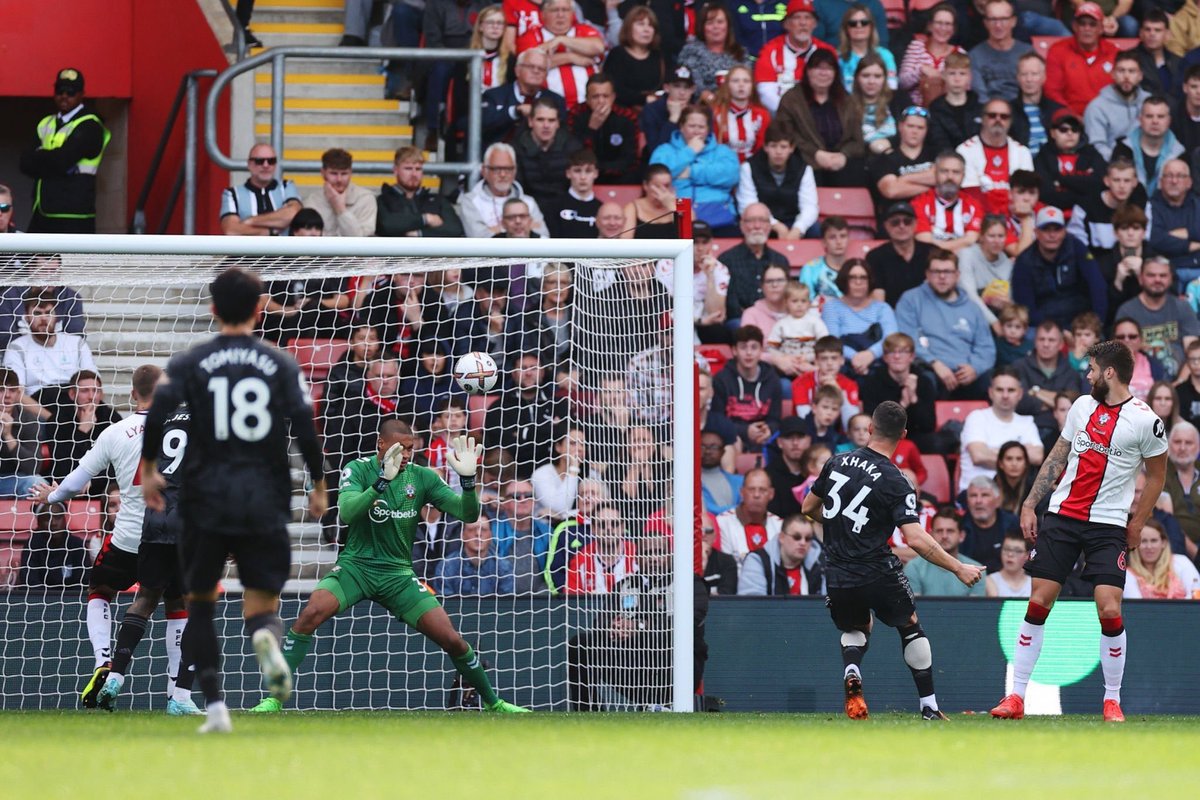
(152, 267)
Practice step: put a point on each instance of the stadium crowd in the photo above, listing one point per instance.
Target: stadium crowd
(1024, 202)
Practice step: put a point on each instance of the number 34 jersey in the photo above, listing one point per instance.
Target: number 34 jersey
(864, 499)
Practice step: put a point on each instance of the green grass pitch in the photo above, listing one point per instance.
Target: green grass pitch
(359, 756)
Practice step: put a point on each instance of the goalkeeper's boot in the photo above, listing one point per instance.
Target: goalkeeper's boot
(1112, 711)
(277, 676)
(856, 704)
(107, 697)
(183, 708)
(218, 720)
(269, 705)
(505, 707)
(92, 689)
(1011, 707)
(933, 715)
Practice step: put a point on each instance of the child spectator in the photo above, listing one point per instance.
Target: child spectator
(870, 98)
(1024, 201)
(814, 461)
(778, 177)
(822, 425)
(829, 364)
(820, 274)
(858, 433)
(431, 381)
(1189, 390)
(1085, 332)
(1011, 344)
(795, 333)
(747, 392)
(955, 116)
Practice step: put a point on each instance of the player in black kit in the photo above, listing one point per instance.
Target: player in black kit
(244, 398)
(859, 499)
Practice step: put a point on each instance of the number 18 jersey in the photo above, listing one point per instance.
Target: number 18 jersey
(865, 498)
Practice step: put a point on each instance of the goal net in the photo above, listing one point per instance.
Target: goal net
(571, 585)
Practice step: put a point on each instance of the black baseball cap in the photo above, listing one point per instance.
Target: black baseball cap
(701, 230)
(900, 209)
(69, 80)
(792, 426)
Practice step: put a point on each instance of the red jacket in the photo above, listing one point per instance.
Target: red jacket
(1074, 77)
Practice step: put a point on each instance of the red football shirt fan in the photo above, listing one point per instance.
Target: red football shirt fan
(567, 80)
(947, 220)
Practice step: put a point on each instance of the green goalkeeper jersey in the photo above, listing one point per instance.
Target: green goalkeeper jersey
(383, 526)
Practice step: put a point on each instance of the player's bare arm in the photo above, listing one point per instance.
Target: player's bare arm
(812, 505)
(1047, 477)
(928, 549)
(1156, 476)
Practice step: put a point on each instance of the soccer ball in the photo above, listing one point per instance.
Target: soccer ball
(476, 373)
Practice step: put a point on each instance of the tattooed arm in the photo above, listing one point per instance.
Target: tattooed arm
(1047, 476)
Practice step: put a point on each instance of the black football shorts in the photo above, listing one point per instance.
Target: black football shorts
(114, 567)
(263, 559)
(1060, 542)
(890, 597)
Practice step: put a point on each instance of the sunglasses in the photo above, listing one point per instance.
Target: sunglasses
(858, 23)
(997, 115)
(5, 208)
(915, 111)
(1068, 129)
(270, 162)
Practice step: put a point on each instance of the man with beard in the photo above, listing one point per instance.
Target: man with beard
(1109, 435)
(748, 260)
(787, 470)
(1114, 112)
(945, 216)
(1168, 323)
(993, 156)
(1056, 278)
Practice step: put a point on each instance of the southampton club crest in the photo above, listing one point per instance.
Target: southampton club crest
(410, 491)
(1104, 418)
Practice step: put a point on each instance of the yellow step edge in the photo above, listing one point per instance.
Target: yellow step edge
(309, 28)
(338, 4)
(359, 155)
(325, 80)
(329, 104)
(338, 130)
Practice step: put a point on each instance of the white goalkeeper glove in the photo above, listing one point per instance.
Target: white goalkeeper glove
(463, 458)
(390, 466)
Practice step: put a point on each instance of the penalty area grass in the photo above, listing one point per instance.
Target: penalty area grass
(74, 754)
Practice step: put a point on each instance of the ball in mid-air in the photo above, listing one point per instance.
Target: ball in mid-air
(476, 373)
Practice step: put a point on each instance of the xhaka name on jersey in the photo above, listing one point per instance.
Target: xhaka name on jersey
(863, 464)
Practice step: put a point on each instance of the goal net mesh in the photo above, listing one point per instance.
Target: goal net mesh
(563, 586)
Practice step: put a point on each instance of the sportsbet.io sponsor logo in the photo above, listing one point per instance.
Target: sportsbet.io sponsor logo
(1082, 442)
(381, 513)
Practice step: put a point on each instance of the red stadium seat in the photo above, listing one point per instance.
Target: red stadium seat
(748, 461)
(721, 245)
(860, 247)
(17, 519)
(946, 410)
(937, 480)
(799, 251)
(897, 13)
(855, 204)
(1042, 44)
(618, 194)
(716, 355)
(317, 356)
(84, 516)
(477, 406)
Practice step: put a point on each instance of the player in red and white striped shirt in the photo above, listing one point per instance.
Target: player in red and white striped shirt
(1108, 436)
(576, 50)
(945, 216)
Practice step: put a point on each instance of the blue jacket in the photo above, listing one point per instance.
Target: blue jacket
(954, 332)
(1165, 218)
(755, 24)
(457, 576)
(1061, 289)
(714, 170)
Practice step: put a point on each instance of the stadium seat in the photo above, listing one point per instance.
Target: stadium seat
(721, 245)
(748, 461)
(716, 355)
(17, 519)
(1042, 44)
(799, 252)
(618, 194)
(860, 247)
(477, 406)
(317, 356)
(937, 480)
(946, 410)
(897, 13)
(854, 204)
(84, 516)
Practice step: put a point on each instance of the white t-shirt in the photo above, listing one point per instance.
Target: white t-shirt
(1108, 445)
(38, 365)
(982, 425)
(735, 540)
(700, 287)
(120, 446)
(795, 336)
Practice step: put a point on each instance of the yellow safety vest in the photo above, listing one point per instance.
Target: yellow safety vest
(52, 139)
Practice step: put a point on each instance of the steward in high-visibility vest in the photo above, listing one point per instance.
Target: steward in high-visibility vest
(64, 161)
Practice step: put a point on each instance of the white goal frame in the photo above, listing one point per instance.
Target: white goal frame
(683, 424)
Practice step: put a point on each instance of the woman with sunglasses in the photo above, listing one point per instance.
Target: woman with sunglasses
(826, 132)
(858, 38)
(921, 67)
(1146, 368)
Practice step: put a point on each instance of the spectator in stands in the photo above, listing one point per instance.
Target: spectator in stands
(895, 379)
(1146, 368)
(831, 364)
(786, 469)
(652, 216)
(780, 179)
(522, 537)
(54, 557)
(721, 489)
(1168, 323)
(1092, 218)
(701, 169)
(957, 114)
(407, 208)
(710, 290)
(821, 118)
(754, 24)
(556, 482)
(1151, 146)
(921, 67)
(576, 49)
(1113, 113)
(986, 429)
(713, 50)
(573, 215)
(1056, 278)
(1164, 401)
(6, 210)
(995, 62)
(782, 61)
(346, 208)
(1122, 266)
(1079, 67)
(607, 559)
(543, 150)
(1183, 477)
(1183, 36)
(930, 581)
(739, 119)
(1186, 123)
(907, 170)
(459, 24)
(747, 392)
(860, 36)
(992, 157)
(1032, 109)
(748, 260)
(822, 424)
(351, 422)
(430, 383)
(1189, 390)
(899, 264)
(1044, 374)
(946, 216)
(473, 569)
(749, 525)
(720, 570)
(402, 311)
(607, 129)
(1011, 580)
(74, 425)
(1175, 219)
(768, 310)
(871, 99)
(19, 444)
(305, 307)
(793, 335)
(821, 273)
(41, 273)
(480, 208)
(1155, 572)
(1013, 344)
(45, 359)
(660, 118)
(986, 525)
(986, 270)
(616, 416)
(640, 301)
(636, 63)
(263, 205)
(506, 108)
(523, 420)
(346, 377)
(857, 318)
(832, 15)
(1014, 475)
(786, 565)
(951, 333)
(545, 322)
(1071, 168)
(1160, 67)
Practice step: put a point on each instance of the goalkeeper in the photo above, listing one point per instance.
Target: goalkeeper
(380, 499)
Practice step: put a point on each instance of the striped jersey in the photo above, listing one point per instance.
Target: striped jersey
(567, 80)
(1108, 446)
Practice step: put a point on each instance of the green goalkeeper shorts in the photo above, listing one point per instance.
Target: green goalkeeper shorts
(398, 591)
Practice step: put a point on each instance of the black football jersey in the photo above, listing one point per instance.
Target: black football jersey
(864, 499)
(244, 399)
(162, 527)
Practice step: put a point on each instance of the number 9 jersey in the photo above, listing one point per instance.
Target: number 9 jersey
(865, 498)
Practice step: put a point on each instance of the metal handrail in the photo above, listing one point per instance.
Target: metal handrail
(186, 178)
(239, 33)
(277, 58)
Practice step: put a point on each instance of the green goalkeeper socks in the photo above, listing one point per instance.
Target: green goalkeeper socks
(295, 648)
(470, 667)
